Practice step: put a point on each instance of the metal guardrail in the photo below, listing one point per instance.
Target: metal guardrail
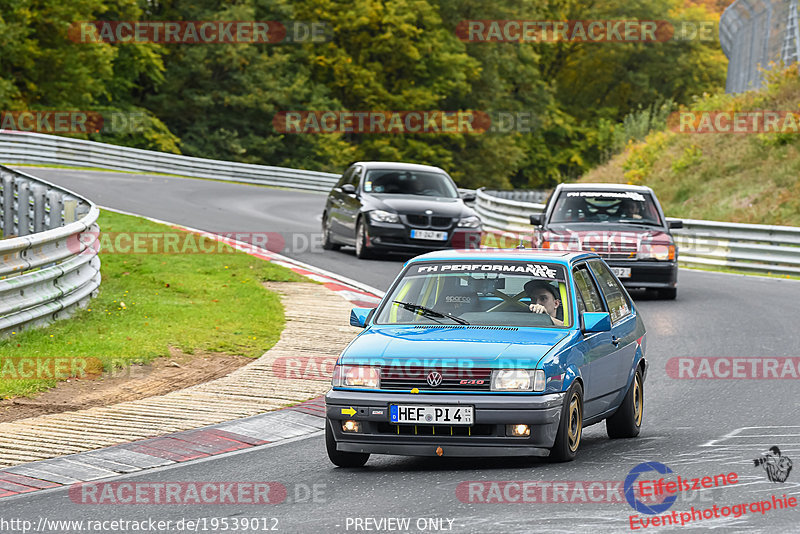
(754, 33)
(35, 148)
(746, 247)
(49, 262)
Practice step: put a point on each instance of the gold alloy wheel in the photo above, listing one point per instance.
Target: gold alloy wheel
(638, 400)
(575, 423)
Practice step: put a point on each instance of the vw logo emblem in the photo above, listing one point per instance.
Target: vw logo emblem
(428, 212)
(434, 378)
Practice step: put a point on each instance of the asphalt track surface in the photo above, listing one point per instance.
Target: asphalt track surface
(697, 427)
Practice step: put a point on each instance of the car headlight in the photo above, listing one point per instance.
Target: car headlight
(356, 376)
(518, 380)
(657, 252)
(469, 222)
(383, 216)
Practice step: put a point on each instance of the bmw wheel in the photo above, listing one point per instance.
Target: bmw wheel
(362, 250)
(327, 244)
(570, 428)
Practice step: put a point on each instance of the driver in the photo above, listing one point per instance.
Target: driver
(544, 299)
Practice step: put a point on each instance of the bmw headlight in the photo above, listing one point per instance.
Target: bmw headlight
(356, 376)
(381, 216)
(518, 380)
(469, 222)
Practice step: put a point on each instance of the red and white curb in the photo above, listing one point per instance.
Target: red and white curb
(271, 427)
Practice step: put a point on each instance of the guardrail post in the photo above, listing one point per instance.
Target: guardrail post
(23, 220)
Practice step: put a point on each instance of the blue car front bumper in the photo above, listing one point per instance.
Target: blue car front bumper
(486, 437)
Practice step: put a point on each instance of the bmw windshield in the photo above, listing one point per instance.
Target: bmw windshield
(493, 293)
(399, 182)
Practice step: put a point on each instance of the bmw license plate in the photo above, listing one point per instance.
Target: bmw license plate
(429, 235)
(622, 272)
(431, 415)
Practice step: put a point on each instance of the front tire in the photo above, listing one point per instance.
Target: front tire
(341, 458)
(362, 251)
(570, 427)
(627, 420)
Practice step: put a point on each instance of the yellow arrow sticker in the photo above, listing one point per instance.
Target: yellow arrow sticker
(349, 411)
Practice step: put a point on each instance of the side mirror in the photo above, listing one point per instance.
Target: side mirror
(536, 219)
(468, 196)
(675, 224)
(360, 316)
(595, 322)
(348, 189)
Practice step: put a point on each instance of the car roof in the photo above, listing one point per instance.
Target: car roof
(604, 187)
(397, 165)
(505, 254)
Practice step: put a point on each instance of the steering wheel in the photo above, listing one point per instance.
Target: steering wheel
(508, 300)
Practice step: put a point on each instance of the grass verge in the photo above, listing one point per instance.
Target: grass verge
(151, 302)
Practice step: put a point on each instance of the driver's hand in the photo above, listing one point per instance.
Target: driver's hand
(537, 308)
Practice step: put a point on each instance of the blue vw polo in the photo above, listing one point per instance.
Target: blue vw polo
(489, 353)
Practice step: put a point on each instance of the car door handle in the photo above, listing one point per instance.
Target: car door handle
(615, 340)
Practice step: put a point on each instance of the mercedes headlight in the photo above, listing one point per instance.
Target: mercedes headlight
(656, 252)
(381, 216)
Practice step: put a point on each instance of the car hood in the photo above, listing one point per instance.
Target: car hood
(456, 346)
(415, 204)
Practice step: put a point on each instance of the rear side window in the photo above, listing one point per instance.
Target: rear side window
(618, 305)
(588, 297)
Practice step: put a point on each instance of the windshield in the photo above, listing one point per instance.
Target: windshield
(605, 206)
(397, 182)
(511, 293)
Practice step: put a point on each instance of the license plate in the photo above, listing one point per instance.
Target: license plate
(431, 415)
(429, 235)
(622, 272)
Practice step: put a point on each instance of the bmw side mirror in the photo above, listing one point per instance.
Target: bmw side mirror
(595, 322)
(360, 316)
(674, 224)
(348, 189)
(536, 219)
(468, 196)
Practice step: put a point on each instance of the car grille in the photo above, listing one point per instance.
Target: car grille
(407, 378)
(426, 221)
(417, 220)
(435, 430)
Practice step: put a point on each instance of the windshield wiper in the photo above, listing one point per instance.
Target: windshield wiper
(427, 312)
(634, 221)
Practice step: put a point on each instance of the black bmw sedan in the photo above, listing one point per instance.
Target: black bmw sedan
(387, 206)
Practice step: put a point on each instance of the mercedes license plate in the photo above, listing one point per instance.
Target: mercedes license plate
(622, 272)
